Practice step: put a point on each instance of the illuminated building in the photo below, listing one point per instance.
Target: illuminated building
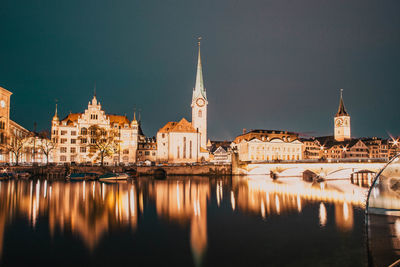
(9, 130)
(72, 136)
(268, 145)
(184, 141)
(342, 122)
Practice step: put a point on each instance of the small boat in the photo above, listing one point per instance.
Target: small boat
(109, 177)
(3, 176)
(22, 175)
(82, 176)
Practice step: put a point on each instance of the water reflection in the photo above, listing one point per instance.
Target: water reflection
(383, 217)
(90, 210)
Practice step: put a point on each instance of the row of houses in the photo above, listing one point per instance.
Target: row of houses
(273, 145)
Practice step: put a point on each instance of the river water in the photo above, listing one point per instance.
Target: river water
(183, 221)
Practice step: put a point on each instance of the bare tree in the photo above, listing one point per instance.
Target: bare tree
(46, 145)
(102, 143)
(17, 145)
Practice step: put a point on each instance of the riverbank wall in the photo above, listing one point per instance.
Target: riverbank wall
(193, 170)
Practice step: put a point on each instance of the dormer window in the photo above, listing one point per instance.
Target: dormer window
(93, 116)
(126, 125)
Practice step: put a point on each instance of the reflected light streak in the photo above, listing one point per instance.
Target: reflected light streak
(322, 215)
(232, 200)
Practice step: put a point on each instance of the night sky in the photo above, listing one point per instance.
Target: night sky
(266, 64)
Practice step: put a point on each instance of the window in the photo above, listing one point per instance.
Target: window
(73, 141)
(63, 140)
(72, 158)
(163, 135)
(63, 150)
(83, 149)
(93, 141)
(147, 153)
(63, 132)
(73, 150)
(184, 147)
(200, 114)
(126, 151)
(63, 158)
(83, 141)
(73, 132)
(83, 131)
(154, 153)
(55, 132)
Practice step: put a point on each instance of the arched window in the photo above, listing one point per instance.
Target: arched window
(83, 131)
(200, 114)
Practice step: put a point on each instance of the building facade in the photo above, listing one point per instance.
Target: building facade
(268, 145)
(75, 139)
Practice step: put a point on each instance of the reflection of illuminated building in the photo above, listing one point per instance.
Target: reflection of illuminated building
(183, 201)
(265, 197)
(69, 206)
(344, 216)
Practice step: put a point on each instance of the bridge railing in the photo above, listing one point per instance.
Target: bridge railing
(350, 160)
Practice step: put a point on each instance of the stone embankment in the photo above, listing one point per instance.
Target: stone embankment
(59, 172)
(186, 170)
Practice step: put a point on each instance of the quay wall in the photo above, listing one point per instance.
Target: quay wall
(198, 170)
(59, 172)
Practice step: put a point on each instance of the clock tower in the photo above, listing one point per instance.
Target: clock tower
(342, 122)
(199, 105)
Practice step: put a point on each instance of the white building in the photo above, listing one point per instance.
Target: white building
(266, 145)
(184, 141)
(73, 138)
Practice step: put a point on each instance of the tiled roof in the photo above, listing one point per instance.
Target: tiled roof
(71, 118)
(271, 134)
(183, 126)
(121, 120)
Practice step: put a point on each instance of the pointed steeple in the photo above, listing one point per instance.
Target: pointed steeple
(341, 110)
(134, 121)
(199, 86)
(55, 117)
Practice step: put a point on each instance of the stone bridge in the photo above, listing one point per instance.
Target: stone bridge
(326, 170)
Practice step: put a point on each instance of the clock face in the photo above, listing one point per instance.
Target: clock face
(2, 103)
(200, 102)
(339, 122)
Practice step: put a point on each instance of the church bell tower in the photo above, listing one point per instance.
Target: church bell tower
(199, 104)
(342, 122)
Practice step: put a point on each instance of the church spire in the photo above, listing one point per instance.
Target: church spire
(341, 110)
(199, 86)
(55, 117)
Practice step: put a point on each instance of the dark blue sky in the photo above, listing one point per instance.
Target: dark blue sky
(266, 64)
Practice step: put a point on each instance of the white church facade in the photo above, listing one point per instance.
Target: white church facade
(184, 141)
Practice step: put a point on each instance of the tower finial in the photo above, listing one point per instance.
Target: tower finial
(199, 38)
(94, 89)
(134, 114)
(55, 117)
(341, 93)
